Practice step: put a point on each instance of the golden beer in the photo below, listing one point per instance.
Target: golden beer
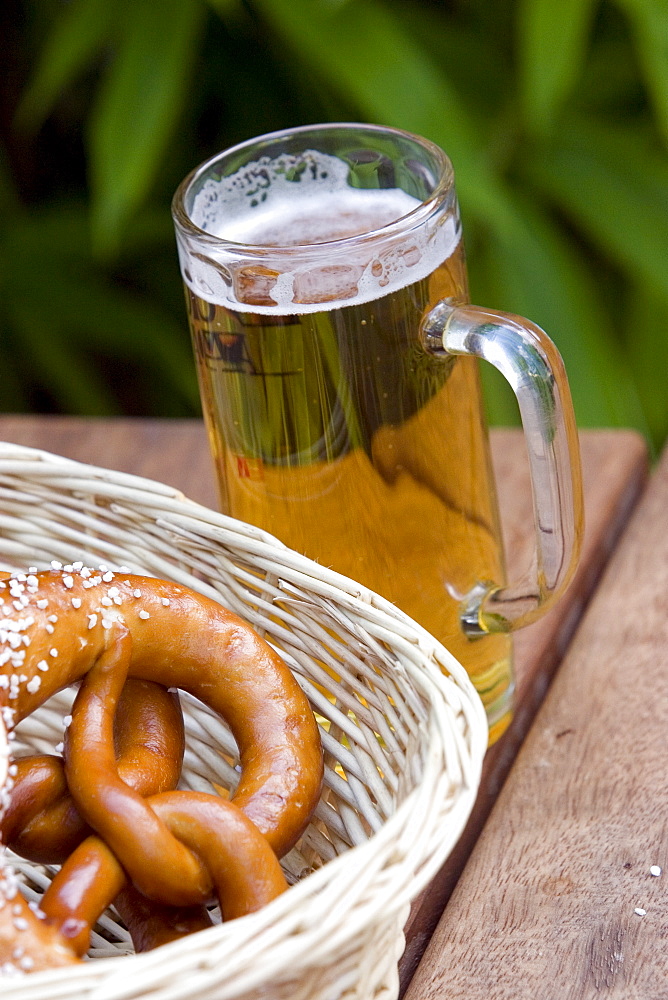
(336, 431)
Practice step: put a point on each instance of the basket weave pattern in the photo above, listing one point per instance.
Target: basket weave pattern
(403, 731)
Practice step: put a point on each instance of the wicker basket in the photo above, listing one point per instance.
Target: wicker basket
(403, 740)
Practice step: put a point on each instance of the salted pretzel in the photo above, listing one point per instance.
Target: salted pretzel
(231, 855)
(81, 623)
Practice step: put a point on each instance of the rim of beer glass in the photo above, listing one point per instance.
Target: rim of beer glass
(404, 224)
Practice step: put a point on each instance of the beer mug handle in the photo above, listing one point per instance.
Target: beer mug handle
(530, 362)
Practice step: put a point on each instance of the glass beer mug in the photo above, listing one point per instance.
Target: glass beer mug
(337, 360)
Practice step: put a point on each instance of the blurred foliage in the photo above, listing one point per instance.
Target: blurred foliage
(554, 112)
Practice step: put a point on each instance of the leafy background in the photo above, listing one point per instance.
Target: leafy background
(555, 113)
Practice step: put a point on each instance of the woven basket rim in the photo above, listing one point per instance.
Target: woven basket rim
(424, 660)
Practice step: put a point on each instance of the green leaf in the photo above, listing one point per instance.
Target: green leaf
(226, 8)
(71, 381)
(75, 39)
(649, 20)
(13, 386)
(610, 86)
(9, 199)
(361, 49)
(614, 185)
(648, 356)
(469, 53)
(50, 286)
(137, 109)
(552, 41)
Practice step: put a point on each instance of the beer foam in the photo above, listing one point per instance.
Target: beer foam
(317, 218)
(305, 202)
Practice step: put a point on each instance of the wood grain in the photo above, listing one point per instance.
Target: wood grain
(546, 906)
(614, 469)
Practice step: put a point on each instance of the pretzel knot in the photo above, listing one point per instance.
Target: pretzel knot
(177, 848)
(109, 811)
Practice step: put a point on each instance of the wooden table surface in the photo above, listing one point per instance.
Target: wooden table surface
(559, 900)
(469, 954)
